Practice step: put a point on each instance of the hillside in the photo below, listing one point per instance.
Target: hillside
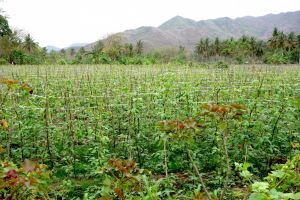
(186, 32)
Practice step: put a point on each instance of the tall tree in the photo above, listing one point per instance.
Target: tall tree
(275, 32)
(81, 51)
(139, 47)
(128, 48)
(113, 46)
(199, 49)
(206, 47)
(29, 44)
(72, 52)
(252, 46)
(259, 48)
(98, 47)
(4, 27)
(291, 41)
(217, 46)
(63, 51)
(281, 42)
(274, 39)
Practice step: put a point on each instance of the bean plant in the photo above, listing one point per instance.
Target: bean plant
(187, 126)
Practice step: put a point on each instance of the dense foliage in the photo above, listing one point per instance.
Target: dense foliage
(150, 132)
(281, 48)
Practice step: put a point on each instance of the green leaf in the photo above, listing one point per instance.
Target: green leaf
(289, 196)
(274, 194)
(257, 196)
(246, 165)
(297, 196)
(260, 187)
(246, 174)
(278, 173)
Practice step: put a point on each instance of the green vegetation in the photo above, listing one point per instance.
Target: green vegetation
(150, 132)
(281, 48)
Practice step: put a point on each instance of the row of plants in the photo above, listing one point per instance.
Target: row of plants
(158, 132)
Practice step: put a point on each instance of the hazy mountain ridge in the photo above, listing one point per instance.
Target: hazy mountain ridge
(187, 32)
(77, 45)
(74, 46)
(52, 48)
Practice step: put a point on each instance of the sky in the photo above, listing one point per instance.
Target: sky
(64, 22)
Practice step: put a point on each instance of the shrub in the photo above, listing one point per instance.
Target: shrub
(27, 182)
(222, 65)
(277, 58)
(282, 183)
(61, 62)
(3, 61)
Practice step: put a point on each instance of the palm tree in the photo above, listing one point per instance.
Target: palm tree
(281, 40)
(139, 47)
(229, 47)
(252, 46)
(274, 39)
(72, 52)
(199, 48)
(217, 46)
(206, 47)
(291, 41)
(244, 39)
(275, 32)
(259, 48)
(128, 48)
(29, 44)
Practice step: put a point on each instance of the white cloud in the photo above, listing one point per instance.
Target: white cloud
(62, 22)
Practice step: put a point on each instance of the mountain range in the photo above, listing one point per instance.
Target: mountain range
(187, 32)
(75, 46)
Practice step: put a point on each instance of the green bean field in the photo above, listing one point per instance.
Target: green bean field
(154, 132)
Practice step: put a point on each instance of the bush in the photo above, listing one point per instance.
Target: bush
(61, 62)
(222, 65)
(282, 183)
(3, 61)
(294, 56)
(277, 58)
(31, 181)
(239, 59)
(29, 59)
(123, 60)
(17, 57)
(104, 59)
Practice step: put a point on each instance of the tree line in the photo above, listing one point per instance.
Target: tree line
(281, 48)
(19, 48)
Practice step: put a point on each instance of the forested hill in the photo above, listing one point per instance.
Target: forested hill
(187, 32)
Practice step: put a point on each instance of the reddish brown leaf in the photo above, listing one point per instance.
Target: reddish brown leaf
(27, 88)
(119, 193)
(4, 124)
(11, 82)
(237, 106)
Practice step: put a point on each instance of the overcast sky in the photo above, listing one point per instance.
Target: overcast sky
(63, 22)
